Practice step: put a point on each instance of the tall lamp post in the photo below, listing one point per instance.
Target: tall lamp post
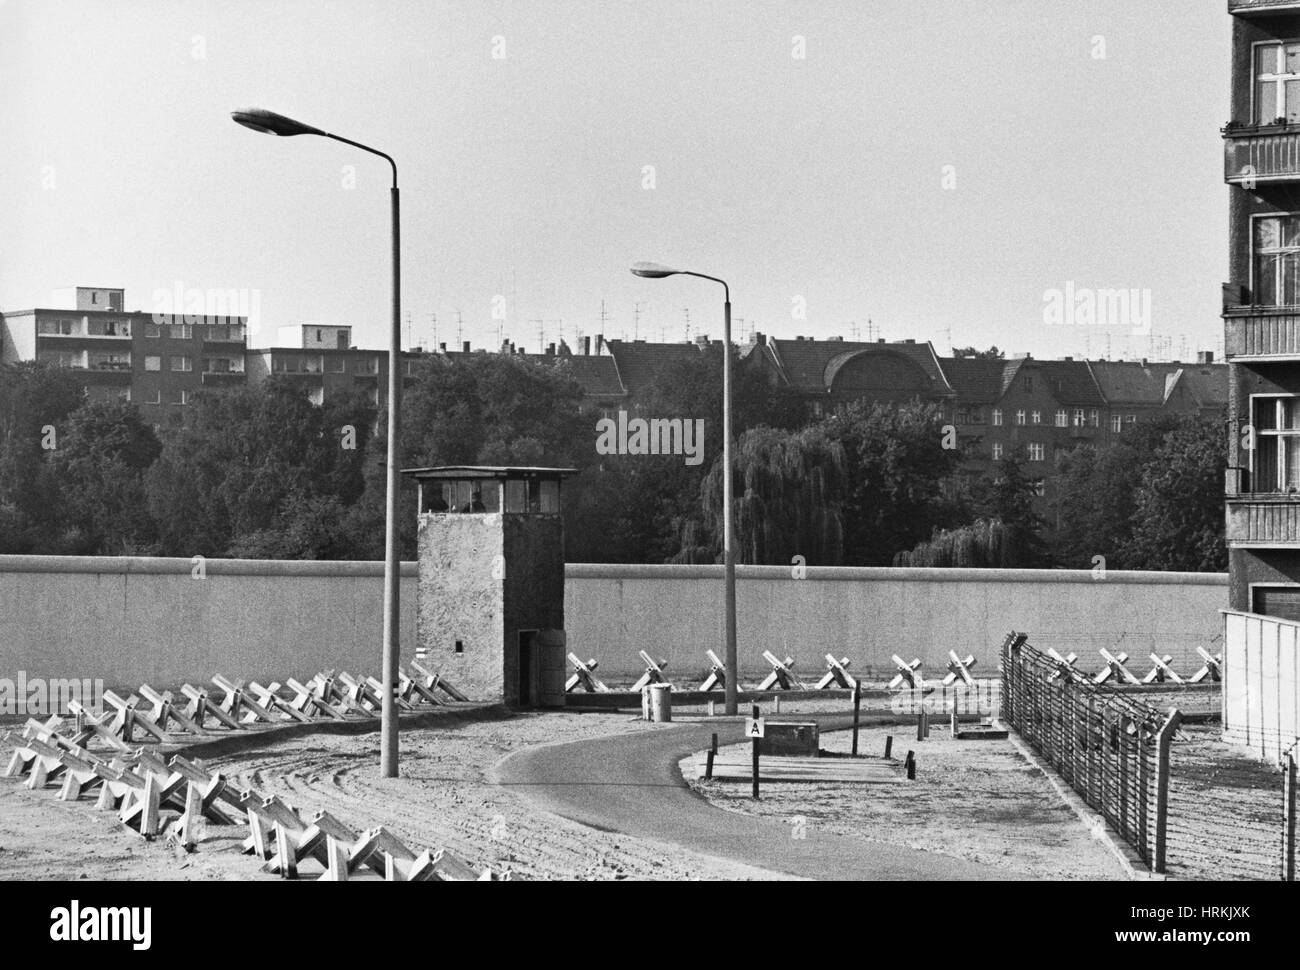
(655, 271)
(271, 123)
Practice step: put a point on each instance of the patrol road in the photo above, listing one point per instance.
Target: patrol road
(631, 784)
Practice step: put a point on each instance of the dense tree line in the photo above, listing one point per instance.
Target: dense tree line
(261, 472)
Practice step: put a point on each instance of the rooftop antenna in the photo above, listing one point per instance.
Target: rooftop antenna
(408, 329)
(604, 317)
(636, 318)
(458, 330)
(687, 310)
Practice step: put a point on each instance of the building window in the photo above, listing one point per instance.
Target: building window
(997, 452)
(1277, 261)
(1029, 383)
(1037, 417)
(1117, 423)
(180, 331)
(1130, 421)
(1094, 418)
(316, 395)
(368, 366)
(180, 396)
(1020, 417)
(1277, 444)
(1277, 83)
(180, 362)
(1078, 417)
(152, 330)
(152, 397)
(1036, 452)
(997, 417)
(1040, 487)
(1062, 418)
(152, 362)
(337, 365)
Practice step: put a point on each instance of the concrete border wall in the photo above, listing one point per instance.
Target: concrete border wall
(127, 620)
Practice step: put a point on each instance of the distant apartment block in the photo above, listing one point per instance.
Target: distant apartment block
(128, 355)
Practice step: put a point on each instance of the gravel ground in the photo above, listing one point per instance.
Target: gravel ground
(976, 800)
(442, 800)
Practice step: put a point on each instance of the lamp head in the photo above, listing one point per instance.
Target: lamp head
(259, 119)
(653, 271)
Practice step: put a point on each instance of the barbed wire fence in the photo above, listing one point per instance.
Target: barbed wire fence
(1186, 802)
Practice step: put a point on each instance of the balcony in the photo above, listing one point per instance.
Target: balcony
(1270, 153)
(1263, 520)
(1261, 333)
(222, 378)
(1260, 8)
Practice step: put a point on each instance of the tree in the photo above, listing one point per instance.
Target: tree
(99, 468)
(870, 480)
(1178, 512)
(984, 544)
(224, 483)
(494, 409)
(899, 478)
(35, 401)
(1009, 499)
(793, 487)
(991, 354)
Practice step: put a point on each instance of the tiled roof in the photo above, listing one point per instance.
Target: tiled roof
(1206, 383)
(1132, 382)
(977, 380)
(1072, 382)
(598, 375)
(639, 362)
(806, 363)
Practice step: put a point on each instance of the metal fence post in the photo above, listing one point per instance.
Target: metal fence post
(1124, 722)
(1288, 818)
(1163, 740)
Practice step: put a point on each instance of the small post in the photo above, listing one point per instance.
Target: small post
(910, 765)
(1163, 739)
(712, 712)
(954, 715)
(920, 725)
(857, 710)
(714, 746)
(889, 745)
(776, 704)
(754, 714)
(1289, 812)
(708, 763)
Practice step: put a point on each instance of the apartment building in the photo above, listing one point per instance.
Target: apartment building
(157, 362)
(1261, 309)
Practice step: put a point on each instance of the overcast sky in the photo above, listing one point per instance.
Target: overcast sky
(815, 180)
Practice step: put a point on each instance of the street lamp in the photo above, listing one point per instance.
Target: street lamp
(271, 123)
(655, 271)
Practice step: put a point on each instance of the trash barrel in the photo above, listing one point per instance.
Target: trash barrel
(661, 702)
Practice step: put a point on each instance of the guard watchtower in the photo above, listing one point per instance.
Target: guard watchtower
(490, 611)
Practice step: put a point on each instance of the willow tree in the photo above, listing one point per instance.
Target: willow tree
(790, 501)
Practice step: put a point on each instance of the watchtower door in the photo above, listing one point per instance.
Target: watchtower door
(527, 667)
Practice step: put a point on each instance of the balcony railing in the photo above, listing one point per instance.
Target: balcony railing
(1266, 154)
(1263, 520)
(1246, 8)
(1262, 332)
